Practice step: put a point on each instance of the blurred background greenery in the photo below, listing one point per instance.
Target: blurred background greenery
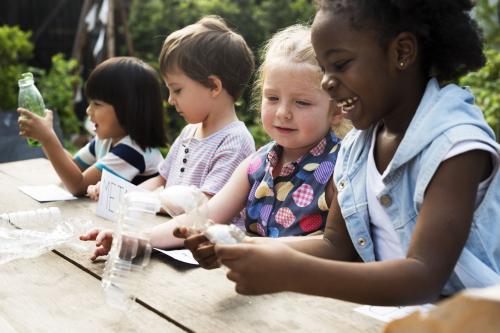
(150, 21)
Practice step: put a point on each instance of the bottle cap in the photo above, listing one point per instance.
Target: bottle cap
(26, 79)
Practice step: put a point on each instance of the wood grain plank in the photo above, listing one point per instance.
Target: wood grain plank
(49, 294)
(201, 300)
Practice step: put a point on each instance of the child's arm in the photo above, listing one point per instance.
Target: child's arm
(228, 202)
(222, 207)
(41, 129)
(153, 183)
(441, 231)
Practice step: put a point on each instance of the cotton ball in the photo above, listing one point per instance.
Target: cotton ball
(179, 199)
(224, 234)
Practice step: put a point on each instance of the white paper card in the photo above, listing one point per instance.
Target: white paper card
(180, 255)
(110, 193)
(389, 313)
(44, 193)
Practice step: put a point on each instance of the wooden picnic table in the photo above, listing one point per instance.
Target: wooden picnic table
(60, 291)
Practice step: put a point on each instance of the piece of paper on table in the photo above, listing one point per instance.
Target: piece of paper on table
(110, 193)
(44, 193)
(389, 313)
(180, 255)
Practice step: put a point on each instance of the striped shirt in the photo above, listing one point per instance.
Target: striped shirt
(125, 159)
(209, 162)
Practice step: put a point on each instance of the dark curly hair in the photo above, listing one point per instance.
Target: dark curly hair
(450, 40)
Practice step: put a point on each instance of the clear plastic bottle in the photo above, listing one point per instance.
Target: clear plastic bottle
(37, 217)
(31, 99)
(130, 251)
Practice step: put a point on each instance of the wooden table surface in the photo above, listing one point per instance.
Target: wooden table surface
(60, 291)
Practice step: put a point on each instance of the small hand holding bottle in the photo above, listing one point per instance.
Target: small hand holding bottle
(34, 126)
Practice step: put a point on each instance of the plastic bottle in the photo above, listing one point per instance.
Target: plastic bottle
(40, 216)
(130, 250)
(31, 99)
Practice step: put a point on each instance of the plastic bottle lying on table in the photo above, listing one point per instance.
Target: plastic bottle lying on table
(30, 233)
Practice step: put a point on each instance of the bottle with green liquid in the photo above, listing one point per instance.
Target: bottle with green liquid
(31, 99)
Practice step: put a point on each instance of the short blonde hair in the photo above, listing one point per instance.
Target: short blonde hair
(291, 45)
(209, 47)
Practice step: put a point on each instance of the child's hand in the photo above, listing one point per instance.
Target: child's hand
(34, 126)
(93, 191)
(103, 240)
(201, 248)
(258, 267)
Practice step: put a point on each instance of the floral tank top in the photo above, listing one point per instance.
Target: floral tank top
(293, 203)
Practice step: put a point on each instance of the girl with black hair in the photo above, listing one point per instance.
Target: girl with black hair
(126, 107)
(417, 187)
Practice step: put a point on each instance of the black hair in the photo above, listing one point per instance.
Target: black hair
(450, 41)
(132, 87)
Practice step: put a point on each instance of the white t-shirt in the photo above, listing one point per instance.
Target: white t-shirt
(386, 241)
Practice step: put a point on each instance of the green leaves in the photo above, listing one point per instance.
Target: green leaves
(15, 50)
(485, 85)
(57, 87)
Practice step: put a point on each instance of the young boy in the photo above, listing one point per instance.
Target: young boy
(206, 67)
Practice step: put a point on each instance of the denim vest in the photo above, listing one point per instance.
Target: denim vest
(444, 117)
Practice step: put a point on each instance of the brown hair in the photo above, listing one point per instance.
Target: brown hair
(209, 47)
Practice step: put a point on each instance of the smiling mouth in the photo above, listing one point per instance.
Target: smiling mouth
(348, 104)
(284, 129)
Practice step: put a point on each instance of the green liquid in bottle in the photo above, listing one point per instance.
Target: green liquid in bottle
(31, 99)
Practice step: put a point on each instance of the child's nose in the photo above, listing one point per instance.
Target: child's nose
(328, 83)
(88, 111)
(284, 112)
(170, 100)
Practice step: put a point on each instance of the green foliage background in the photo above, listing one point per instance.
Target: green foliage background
(152, 20)
(255, 20)
(15, 51)
(56, 85)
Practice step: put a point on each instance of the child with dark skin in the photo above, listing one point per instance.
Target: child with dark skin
(430, 226)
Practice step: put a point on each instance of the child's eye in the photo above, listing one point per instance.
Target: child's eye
(177, 91)
(303, 103)
(340, 66)
(272, 98)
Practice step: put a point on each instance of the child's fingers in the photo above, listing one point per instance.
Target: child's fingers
(205, 251)
(231, 252)
(233, 276)
(99, 251)
(214, 263)
(193, 242)
(181, 232)
(102, 237)
(24, 112)
(90, 235)
(48, 114)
